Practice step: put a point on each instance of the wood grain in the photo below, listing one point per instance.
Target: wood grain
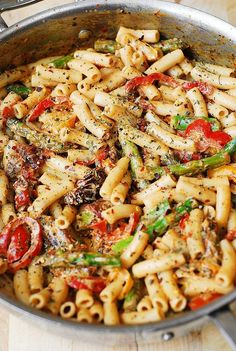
(18, 335)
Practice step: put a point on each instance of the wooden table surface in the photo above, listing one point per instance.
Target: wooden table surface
(19, 335)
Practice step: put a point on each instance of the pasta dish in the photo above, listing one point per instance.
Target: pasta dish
(118, 181)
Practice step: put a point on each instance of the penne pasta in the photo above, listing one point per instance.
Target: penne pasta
(118, 180)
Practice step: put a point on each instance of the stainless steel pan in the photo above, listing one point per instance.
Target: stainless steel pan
(57, 31)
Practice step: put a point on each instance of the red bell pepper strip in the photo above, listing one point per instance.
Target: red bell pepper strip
(202, 300)
(231, 235)
(44, 105)
(205, 88)
(40, 108)
(19, 244)
(35, 241)
(22, 199)
(200, 130)
(147, 80)
(75, 283)
(94, 284)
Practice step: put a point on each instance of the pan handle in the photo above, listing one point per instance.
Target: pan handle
(10, 5)
(226, 321)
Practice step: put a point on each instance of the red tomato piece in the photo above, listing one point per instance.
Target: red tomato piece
(202, 300)
(200, 131)
(199, 125)
(220, 137)
(36, 241)
(19, 244)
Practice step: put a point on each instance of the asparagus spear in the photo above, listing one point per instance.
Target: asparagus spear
(35, 137)
(136, 162)
(193, 167)
(19, 89)
(62, 258)
(230, 148)
(153, 215)
(94, 259)
(121, 245)
(185, 207)
(170, 45)
(164, 221)
(161, 225)
(182, 122)
(133, 296)
(106, 46)
(61, 62)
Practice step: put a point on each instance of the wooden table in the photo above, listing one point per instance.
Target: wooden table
(18, 335)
